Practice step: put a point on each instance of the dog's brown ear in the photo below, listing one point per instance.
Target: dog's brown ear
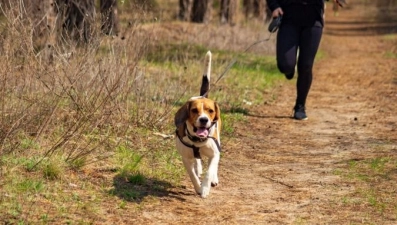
(182, 114)
(217, 111)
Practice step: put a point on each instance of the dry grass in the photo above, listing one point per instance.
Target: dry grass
(76, 133)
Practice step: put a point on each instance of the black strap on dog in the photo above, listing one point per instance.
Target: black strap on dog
(196, 150)
(217, 143)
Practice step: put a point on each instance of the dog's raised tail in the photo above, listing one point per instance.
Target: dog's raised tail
(205, 84)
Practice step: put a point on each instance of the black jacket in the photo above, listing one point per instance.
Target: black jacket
(318, 4)
(274, 4)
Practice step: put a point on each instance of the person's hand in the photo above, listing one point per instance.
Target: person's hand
(279, 12)
(340, 2)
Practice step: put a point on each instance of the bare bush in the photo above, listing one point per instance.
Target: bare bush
(86, 101)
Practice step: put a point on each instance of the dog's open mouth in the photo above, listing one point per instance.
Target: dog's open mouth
(201, 131)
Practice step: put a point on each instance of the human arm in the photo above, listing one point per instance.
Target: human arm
(273, 4)
(275, 8)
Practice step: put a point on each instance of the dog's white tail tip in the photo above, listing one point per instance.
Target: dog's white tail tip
(207, 66)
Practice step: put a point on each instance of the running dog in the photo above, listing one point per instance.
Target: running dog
(198, 127)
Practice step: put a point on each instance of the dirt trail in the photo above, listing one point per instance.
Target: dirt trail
(281, 171)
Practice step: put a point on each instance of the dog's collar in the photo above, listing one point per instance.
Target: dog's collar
(196, 150)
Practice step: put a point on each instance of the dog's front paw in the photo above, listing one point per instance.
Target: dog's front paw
(205, 191)
(214, 181)
(214, 184)
(198, 190)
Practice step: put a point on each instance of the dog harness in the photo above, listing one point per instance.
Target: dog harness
(196, 150)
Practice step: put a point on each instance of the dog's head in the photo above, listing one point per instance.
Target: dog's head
(199, 114)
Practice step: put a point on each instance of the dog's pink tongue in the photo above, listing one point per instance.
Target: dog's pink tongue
(202, 132)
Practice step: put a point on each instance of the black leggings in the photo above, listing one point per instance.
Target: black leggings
(290, 38)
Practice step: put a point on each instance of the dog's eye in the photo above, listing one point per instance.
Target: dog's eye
(194, 110)
(211, 111)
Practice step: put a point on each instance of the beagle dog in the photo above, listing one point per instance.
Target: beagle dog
(198, 127)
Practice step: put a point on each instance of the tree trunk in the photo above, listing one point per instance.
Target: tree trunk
(201, 11)
(185, 10)
(256, 9)
(51, 29)
(228, 11)
(77, 18)
(109, 14)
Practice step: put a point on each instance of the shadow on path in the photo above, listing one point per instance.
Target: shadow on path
(137, 192)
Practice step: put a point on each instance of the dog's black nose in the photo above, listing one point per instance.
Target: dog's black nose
(203, 120)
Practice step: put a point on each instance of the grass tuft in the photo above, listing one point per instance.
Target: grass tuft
(52, 170)
(137, 179)
(30, 185)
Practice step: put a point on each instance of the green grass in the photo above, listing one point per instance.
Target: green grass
(29, 185)
(28, 143)
(392, 52)
(229, 120)
(320, 55)
(52, 170)
(375, 191)
(390, 37)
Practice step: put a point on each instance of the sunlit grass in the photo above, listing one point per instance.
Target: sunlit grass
(392, 52)
(373, 179)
